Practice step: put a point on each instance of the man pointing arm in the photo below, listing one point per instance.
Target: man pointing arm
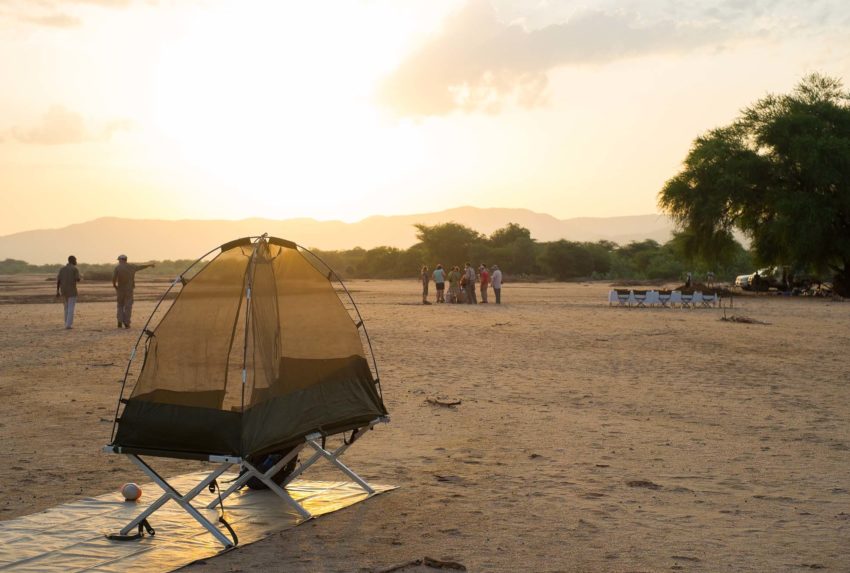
(124, 282)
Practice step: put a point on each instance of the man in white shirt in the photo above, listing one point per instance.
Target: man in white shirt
(496, 281)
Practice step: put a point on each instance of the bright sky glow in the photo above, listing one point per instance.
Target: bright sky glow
(344, 109)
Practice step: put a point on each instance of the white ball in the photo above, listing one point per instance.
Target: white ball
(131, 491)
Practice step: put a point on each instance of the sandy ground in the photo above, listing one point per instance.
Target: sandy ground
(588, 438)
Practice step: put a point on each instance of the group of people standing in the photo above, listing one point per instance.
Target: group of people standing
(461, 284)
(123, 281)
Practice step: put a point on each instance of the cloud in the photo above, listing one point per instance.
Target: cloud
(61, 126)
(56, 20)
(52, 13)
(104, 3)
(477, 62)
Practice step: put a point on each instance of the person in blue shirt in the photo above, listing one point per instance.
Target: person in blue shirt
(440, 282)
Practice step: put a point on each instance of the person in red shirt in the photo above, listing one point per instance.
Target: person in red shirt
(484, 281)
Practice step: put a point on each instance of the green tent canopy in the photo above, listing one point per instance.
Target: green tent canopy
(261, 347)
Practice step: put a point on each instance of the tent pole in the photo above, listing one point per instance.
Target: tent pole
(248, 304)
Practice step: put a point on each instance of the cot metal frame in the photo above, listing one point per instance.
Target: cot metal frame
(314, 440)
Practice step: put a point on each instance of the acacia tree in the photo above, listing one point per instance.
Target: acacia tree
(781, 174)
(447, 242)
(509, 234)
(514, 249)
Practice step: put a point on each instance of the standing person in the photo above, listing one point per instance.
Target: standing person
(469, 288)
(66, 287)
(484, 278)
(440, 283)
(756, 281)
(124, 282)
(454, 278)
(425, 278)
(496, 279)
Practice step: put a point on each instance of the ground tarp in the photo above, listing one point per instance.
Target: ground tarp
(71, 537)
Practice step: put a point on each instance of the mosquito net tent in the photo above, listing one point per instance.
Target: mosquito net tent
(261, 347)
(262, 351)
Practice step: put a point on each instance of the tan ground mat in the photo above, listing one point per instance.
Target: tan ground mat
(71, 537)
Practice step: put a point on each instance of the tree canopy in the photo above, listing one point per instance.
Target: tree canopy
(780, 173)
(512, 247)
(509, 234)
(447, 241)
(520, 259)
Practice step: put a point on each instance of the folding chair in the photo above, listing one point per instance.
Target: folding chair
(709, 300)
(676, 298)
(697, 300)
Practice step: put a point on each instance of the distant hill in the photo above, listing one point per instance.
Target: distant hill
(102, 240)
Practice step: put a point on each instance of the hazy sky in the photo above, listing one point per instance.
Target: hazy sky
(342, 109)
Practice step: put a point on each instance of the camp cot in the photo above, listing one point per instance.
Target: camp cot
(262, 350)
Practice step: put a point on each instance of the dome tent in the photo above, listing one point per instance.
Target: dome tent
(258, 353)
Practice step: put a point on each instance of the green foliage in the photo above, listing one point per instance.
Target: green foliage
(664, 265)
(14, 267)
(448, 241)
(781, 174)
(97, 272)
(728, 258)
(509, 234)
(567, 260)
(167, 268)
(512, 248)
(637, 256)
(379, 263)
(522, 256)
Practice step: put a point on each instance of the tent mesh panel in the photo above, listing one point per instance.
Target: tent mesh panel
(265, 310)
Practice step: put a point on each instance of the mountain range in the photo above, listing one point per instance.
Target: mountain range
(102, 240)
